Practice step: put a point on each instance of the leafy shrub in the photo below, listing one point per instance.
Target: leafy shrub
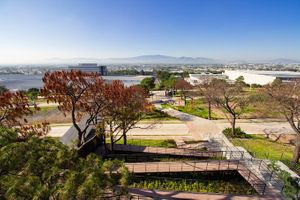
(226, 182)
(238, 133)
(169, 143)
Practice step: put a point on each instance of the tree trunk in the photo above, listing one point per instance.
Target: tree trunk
(296, 153)
(79, 143)
(233, 124)
(297, 140)
(111, 142)
(209, 110)
(124, 137)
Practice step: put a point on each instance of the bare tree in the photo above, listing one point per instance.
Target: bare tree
(285, 98)
(230, 98)
(207, 91)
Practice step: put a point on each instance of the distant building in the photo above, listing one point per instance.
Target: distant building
(90, 67)
(196, 79)
(261, 77)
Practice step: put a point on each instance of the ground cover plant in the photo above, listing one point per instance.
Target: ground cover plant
(238, 133)
(229, 182)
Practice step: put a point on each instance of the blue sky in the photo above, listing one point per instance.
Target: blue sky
(33, 30)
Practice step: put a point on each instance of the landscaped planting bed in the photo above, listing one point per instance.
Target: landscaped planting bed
(225, 182)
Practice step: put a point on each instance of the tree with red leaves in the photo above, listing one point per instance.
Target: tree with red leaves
(183, 86)
(128, 106)
(132, 110)
(13, 108)
(79, 93)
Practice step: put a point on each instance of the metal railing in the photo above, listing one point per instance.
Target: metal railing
(258, 166)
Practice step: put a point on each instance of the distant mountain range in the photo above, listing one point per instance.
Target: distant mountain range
(163, 59)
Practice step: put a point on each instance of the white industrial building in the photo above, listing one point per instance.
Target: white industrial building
(196, 79)
(261, 77)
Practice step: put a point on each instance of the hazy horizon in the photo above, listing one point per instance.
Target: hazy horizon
(34, 31)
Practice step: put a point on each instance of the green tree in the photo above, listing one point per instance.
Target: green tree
(185, 74)
(3, 89)
(148, 84)
(169, 84)
(240, 81)
(44, 168)
(32, 94)
(162, 75)
(276, 82)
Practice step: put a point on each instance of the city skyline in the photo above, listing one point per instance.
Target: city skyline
(35, 31)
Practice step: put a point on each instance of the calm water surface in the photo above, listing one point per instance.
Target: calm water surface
(23, 82)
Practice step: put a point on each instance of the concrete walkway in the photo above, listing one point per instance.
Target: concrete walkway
(258, 126)
(199, 128)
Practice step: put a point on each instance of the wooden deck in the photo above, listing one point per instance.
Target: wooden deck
(235, 162)
(185, 166)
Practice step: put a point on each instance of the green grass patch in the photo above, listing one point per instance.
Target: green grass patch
(44, 109)
(48, 108)
(158, 115)
(263, 148)
(193, 107)
(213, 182)
(169, 143)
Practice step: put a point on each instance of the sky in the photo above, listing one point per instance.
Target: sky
(38, 30)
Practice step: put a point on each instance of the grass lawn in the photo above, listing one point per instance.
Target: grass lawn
(263, 148)
(152, 143)
(158, 115)
(195, 107)
(48, 108)
(44, 109)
